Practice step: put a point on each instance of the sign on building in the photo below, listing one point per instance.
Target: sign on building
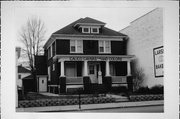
(158, 61)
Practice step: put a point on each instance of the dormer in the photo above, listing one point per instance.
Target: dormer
(89, 25)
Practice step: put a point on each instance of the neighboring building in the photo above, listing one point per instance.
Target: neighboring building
(22, 73)
(85, 54)
(146, 43)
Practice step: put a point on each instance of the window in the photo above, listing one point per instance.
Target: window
(104, 46)
(49, 74)
(76, 46)
(19, 76)
(53, 49)
(70, 69)
(53, 66)
(91, 69)
(94, 30)
(101, 46)
(49, 52)
(85, 29)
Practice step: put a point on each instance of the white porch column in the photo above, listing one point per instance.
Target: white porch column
(62, 68)
(107, 68)
(128, 68)
(85, 68)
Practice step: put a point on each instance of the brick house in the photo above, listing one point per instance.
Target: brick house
(85, 54)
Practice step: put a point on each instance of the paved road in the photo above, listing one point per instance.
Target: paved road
(153, 109)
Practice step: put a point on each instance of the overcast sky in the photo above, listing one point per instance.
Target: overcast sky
(57, 17)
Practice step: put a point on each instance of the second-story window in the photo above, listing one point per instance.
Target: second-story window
(76, 46)
(104, 46)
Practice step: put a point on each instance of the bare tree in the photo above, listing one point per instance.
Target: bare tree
(32, 37)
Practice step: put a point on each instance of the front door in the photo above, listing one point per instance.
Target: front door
(42, 84)
(93, 72)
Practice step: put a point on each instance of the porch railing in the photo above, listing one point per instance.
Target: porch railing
(119, 79)
(74, 80)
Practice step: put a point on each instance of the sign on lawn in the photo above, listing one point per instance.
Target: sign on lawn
(158, 61)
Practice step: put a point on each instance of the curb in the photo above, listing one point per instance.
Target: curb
(90, 106)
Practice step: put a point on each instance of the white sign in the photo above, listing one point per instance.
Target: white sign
(158, 61)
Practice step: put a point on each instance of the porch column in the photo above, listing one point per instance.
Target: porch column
(62, 68)
(85, 68)
(107, 68)
(128, 68)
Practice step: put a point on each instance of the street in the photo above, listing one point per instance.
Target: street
(144, 109)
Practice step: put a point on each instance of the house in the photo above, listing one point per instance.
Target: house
(146, 43)
(22, 73)
(87, 55)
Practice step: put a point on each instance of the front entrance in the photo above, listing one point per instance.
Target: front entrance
(95, 72)
(42, 84)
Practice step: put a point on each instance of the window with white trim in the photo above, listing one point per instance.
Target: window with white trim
(85, 29)
(104, 46)
(53, 66)
(76, 46)
(50, 52)
(49, 74)
(94, 30)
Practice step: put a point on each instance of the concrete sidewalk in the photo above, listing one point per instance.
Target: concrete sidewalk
(91, 106)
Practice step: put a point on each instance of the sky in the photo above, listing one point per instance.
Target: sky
(57, 17)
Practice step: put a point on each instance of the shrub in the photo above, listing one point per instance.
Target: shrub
(142, 90)
(119, 89)
(158, 89)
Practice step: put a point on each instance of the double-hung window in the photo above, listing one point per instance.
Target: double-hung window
(76, 46)
(104, 46)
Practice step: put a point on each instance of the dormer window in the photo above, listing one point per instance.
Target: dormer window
(94, 30)
(85, 29)
(90, 29)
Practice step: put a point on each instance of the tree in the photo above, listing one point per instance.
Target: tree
(32, 38)
(138, 74)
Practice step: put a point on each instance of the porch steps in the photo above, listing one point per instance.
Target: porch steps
(118, 98)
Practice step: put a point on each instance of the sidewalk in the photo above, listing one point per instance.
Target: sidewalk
(91, 106)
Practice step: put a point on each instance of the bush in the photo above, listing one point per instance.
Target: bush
(142, 90)
(158, 89)
(119, 89)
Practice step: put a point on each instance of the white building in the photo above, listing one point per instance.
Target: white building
(145, 42)
(22, 73)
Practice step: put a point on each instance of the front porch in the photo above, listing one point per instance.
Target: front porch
(92, 74)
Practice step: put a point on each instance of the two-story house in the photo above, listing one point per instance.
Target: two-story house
(84, 54)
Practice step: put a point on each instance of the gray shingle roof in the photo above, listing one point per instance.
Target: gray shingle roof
(71, 30)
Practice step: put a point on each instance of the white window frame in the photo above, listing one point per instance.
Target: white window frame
(51, 51)
(76, 47)
(94, 28)
(104, 46)
(49, 73)
(84, 28)
(53, 66)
